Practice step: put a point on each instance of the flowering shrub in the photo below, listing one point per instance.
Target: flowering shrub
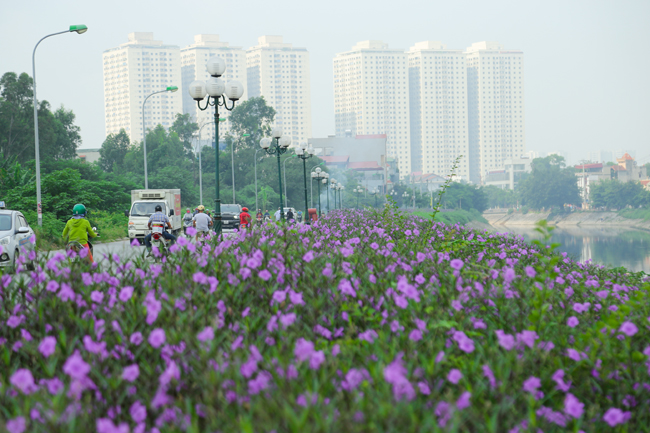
(365, 321)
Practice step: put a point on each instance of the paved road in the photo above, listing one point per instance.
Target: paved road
(121, 248)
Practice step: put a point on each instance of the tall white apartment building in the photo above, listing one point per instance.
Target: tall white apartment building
(193, 67)
(134, 70)
(495, 82)
(438, 109)
(280, 73)
(371, 96)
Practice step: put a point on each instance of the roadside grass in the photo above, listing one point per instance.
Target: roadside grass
(637, 214)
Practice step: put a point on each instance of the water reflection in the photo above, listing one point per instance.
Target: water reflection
(610, 246)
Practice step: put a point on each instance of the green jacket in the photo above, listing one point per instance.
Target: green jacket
(78, 230)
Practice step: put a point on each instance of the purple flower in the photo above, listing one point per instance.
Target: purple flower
(572, 406)
(316, 359)
(75, 367)
(415, 335)
(424, 388)
(126, 293)
(16, 425)
(47, 346)
(287, 319)
(487, 372)
(248, 368)
(309, 256)
(353, 378)
(615, 416)
(131, 373)
(14, 321)
(572, 322)
(368, 335)
(138, 412)
(303, 349)
(206, 335)
(336, 350)
(136, 338)
(531, 385)
(628, 328)
(439, 356)
(279, 296)
(528, 338)
(157, 338)
(530, 271)
(296, 298)
(264, 274)
(23, 380)
(454, 376)
(96, 297)
(463, 401)
(456, 305)
(456, 264)
(506, 341)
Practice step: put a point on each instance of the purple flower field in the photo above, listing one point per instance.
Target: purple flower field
(365, 321)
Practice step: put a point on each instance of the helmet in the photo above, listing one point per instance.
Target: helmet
(200, 208)
(158, 208)
(79, 209)
(244, 209)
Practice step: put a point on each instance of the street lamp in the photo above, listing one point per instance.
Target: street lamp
(305, 153)
(375, 192)
(79, 29)
(358, 190)
(405, 196)
(284, 171)
(215, 89)
(319, 175)
(341, 196)
(198, 135)
(144, 132)
(333, 184)
(256, 203)
(232, 155)
(281, 146)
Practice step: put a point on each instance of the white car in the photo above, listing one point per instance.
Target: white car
(15, 234)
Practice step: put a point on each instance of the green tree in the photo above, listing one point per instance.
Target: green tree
(550, 184)
(614, 194)
(465, 196)
(114, 150)
(184, 128)
(499, 197)
(253, 117)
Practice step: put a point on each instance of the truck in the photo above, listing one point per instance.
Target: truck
(143, 205)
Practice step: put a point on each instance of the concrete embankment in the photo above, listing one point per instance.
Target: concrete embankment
(565, 219)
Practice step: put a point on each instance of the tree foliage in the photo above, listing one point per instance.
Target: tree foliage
(614, 194)
(550, 184)
(114, 150)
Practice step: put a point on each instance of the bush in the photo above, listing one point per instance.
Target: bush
(364, 321)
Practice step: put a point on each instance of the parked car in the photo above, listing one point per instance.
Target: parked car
(230, 217)
(15, 234)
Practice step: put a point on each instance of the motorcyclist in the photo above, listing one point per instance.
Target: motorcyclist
(244, 218)
(290, 216)
(78, 229)
(267, 215)
(202, 222)
(159, 217)
(259, 216)
(187, 220)
(299, 216)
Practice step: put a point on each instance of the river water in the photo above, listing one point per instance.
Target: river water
(604, 245)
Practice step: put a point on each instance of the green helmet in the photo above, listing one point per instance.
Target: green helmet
(79, 209)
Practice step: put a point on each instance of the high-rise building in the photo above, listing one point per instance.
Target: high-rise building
(438, 109)
(371, 96)
(134, 70)
(495, 84)
(280, 73)
(602, 156)
(193, 67)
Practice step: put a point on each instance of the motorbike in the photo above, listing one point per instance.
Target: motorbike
(76, 246)
(300, 218)
(186, 223)
(159, 241)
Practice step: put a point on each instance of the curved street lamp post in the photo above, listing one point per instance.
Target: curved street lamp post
(358, 190)
(79, 29)
(305, 153)
(281, 146)
(198, 135)
(215, 88)
(232, 157)
(144, 131)
(375, 192)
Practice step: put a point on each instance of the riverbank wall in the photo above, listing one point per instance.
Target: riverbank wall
(564, 219)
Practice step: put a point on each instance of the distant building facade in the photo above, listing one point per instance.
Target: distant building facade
(193, 67)
(88, 155)
(496, 115)
(511, 173)
(601, 156)
(134, 70)
(280, 72)
(438, 109)
(371, 96)
(626, 169)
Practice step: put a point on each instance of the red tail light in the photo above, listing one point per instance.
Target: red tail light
(156, 236)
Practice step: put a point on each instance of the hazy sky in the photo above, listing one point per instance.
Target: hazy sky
(587, 82)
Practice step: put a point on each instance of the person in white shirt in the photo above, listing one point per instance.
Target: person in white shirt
(277, 215)
(201, 223)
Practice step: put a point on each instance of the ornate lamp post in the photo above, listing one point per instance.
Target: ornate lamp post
(341, 196)
(405, 197)
(319, 175)
(358, 190)
(305, 153)
(79, 29)
(332, 185)
(375, 192)
(198, 135)
(215, 89)
(281, 146)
